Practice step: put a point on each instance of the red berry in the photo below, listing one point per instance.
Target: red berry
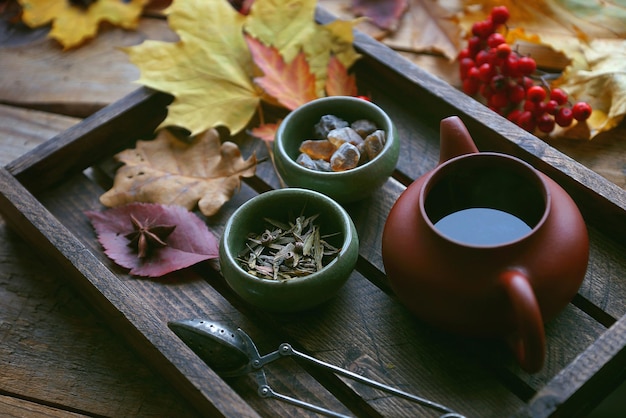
(473, 73)
(581, 111)
(516, 93)
(564, 117)
(558, 96)
(526, 121)
(474, 45)
(464, 67)
(366, 98)
(497, 82)
(483, 28)
(486, 71)
(552, 106)
(529, 106)
(464, 53)
(500, 14)
(526, 65)
(482, 57)
(540, 109)
(470, 86)
(536, 94)
(514, 115)
(495, 39)
(486, 91)
(510, 66)
(545, 123)
(503, 51)
(527, 82)
(498, 99)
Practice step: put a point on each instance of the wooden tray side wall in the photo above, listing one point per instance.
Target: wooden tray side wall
(109, 130)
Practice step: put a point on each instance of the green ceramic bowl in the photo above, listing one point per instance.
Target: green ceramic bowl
(343, 186)
(299, 293)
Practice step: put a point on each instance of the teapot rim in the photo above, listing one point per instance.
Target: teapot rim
(526, 167)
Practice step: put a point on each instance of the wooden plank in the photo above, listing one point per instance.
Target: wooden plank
(97, 136)
(577, 389)
(23, 129)
(42, 359)
(423, 102)
(38, 74)
(11, 407)
(118, 303)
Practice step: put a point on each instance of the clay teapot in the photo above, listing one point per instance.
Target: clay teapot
(485, 245)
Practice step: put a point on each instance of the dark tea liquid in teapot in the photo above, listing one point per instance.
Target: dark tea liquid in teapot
(482, 226)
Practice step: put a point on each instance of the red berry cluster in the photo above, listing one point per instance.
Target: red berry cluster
(507, 80)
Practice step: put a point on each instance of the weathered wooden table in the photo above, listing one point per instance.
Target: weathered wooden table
(45, 191)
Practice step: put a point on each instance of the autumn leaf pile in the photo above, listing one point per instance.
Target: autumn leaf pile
(585, 39)
(226, 63)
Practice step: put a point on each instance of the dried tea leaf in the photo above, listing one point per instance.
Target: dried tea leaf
(169, 171)
(189, 243)
(72, 25)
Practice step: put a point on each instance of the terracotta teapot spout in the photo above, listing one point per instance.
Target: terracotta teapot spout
(455, 139)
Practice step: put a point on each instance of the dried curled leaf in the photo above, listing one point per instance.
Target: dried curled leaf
(189, 243)
(169, 171)
(601, 82)
(72, 25)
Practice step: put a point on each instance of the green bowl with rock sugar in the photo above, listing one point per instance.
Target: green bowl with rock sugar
(343, 186)
(297, 293)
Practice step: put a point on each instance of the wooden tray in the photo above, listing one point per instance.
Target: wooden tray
(44, 194)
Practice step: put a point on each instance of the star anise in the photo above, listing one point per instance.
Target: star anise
(146, 237)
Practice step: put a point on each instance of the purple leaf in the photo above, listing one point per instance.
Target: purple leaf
(384, 13)
(189, 243)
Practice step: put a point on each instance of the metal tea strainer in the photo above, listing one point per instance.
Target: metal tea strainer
(233, 353)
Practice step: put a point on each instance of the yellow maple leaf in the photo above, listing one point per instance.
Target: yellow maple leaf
(210, 71)
(169, 171)
(585, 20)
(73, 25)
(602, 83)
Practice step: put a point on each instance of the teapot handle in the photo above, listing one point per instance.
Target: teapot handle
(530, 345)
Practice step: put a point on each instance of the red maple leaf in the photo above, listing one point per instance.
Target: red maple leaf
(292, 84)
(266, 131)
(338, 81)
(188, 244)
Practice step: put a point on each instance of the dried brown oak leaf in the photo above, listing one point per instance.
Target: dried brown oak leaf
(169, 171)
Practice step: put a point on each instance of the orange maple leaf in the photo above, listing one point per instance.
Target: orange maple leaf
(266, 131)
(338, 81)
(292, 84)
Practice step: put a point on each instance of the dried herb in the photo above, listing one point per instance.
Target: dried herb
(285, 251)
(146, 237)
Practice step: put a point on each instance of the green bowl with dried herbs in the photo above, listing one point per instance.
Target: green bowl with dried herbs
(288, 250)
(342, 146)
